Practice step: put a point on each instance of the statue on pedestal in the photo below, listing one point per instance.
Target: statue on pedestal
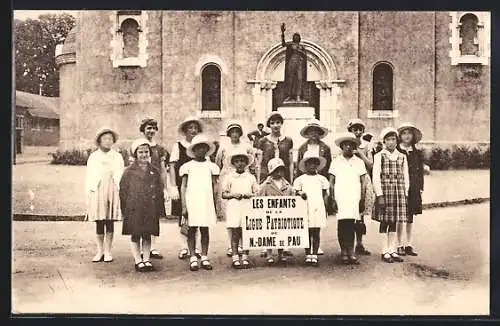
(295, 67)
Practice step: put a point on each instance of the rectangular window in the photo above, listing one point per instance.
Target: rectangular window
(19, 122)
(35, 124)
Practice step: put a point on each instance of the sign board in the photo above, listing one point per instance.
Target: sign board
(275, 222)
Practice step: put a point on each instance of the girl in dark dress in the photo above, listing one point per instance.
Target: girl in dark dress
(142, 203)
(190, 127)
(409, 135)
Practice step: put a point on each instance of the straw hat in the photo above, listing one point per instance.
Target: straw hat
(417, 134)
(309, 155)
(273, 164)
(274, 115)
(387, 131)
(314, 123)
(105, 131)
(188, 120)
(345, 136)
(233, 124)
(138, 142)
(148, 121)
(200, 139)
(355, 122)
(240, 152)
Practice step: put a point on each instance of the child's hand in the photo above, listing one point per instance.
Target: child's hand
(361, 206)
(247, 196)
(237, 196)
(380, 201)
(303, 195)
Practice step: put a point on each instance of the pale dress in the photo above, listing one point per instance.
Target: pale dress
(347, 189)
(313, 186)
(104, 204)
(199, 192)
(236, 183)
(223, 160)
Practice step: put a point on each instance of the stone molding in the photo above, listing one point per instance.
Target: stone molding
(483, 39)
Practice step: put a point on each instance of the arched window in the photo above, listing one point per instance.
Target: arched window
(210, 88)
(130, 31)
(382, 87)
(468, 34)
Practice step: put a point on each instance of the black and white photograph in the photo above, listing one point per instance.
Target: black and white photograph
(226, 162)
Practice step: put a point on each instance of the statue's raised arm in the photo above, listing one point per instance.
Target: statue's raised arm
(283, 29)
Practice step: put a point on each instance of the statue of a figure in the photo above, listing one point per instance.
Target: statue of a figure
(295, 67)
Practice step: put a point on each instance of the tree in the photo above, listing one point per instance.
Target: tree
(35, 42)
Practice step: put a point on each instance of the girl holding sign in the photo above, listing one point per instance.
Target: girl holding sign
(199, 177)
(237, 188)
(314, 188)
(276, 185)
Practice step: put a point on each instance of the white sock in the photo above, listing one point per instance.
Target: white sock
(384, 243)
(134, 247)
(100, 244)
(409, 228)
(391, 242)
(399, 233)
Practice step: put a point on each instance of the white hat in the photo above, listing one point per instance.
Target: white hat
(239, 152)
(417, 134)
(233, 124)
(387, 131)
(188, 120)
(342, 137)
(138, 142)
(273, 164)
(200, 139)
(354, 122)
(308, 155)
(274, 114)
(105, 131)
(314, 123)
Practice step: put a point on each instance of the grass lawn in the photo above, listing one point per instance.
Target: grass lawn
(59, 189)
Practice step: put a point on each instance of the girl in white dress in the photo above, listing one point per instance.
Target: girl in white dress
(234, 132)
(237, 189)
(104, 170)
(349, 179)
(314, 188)
(199, 177)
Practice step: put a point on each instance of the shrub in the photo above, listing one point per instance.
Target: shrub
(80, 156)
(457, 157)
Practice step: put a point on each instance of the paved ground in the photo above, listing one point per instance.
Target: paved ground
(35, 154)
(52, 272)
(35, 191)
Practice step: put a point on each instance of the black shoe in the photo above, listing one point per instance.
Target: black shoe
(401, 251)
(410, 252)
(155, 254)
(360, 250)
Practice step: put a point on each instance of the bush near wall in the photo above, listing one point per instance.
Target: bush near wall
(457, 156)
(79, 156)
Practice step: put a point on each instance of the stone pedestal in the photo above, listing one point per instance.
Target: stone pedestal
(296, 117)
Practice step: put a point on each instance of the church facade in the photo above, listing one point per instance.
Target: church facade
(429, 68)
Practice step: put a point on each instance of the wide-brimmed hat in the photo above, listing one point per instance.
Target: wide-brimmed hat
(105, 131)
(314, 123)
(239, 152)
(387, 131)
(309, 155)
(273, 164)
(355, 122)
(148, 121)
(197, 140)
(417, 134)
(233, 124)
(188, 120)
(138, 142)
(274, 115)
(345, 136)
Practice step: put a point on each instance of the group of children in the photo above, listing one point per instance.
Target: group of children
(384, 183)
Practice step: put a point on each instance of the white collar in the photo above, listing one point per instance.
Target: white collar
(280, 138)
(185, 143)
(403, 147)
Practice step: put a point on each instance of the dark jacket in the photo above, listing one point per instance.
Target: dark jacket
(268, 149)
(324, 151)
(142, 200)
(416, 172)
